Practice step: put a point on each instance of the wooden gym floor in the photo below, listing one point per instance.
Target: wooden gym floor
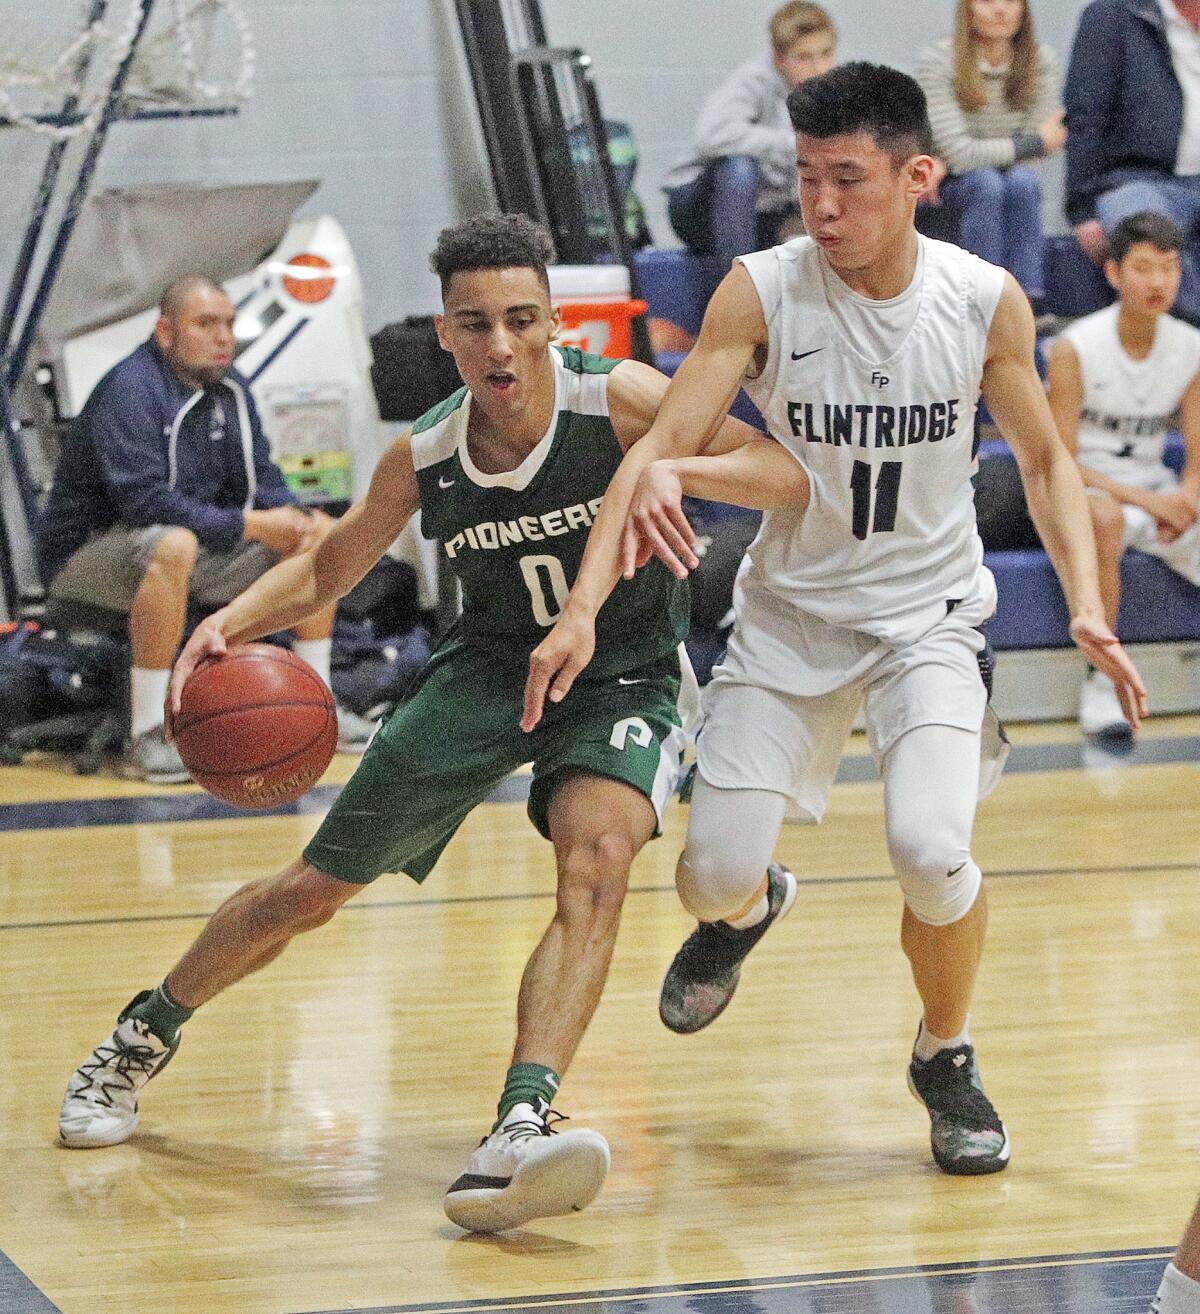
(293, 1158)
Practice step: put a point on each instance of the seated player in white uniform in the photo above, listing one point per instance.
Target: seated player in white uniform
(1118, 379)
(865, 347)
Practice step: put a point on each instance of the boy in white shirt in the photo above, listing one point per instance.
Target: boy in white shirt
(1120, 381)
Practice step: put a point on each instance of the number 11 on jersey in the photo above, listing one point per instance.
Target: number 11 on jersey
(887, 497)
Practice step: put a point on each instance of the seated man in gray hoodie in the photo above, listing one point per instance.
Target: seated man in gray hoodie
(736, 192)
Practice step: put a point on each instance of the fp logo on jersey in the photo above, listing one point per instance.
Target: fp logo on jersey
(880, 380)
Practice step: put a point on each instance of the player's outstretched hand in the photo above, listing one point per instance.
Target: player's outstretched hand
(554, 664)
(206, 641)
(1103, 649)
(656, 525)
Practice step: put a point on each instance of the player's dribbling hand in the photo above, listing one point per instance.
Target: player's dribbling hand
(1103, 649)
(555, 662)
(206, 641)
(656, 525)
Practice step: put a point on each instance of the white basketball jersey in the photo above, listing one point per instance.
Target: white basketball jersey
(888, 543)
(1129, 405)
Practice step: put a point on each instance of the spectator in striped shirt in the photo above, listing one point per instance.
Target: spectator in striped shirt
(993, 96)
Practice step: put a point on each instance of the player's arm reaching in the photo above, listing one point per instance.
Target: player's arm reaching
(689, 416)
(1053, 489)
(305, 583)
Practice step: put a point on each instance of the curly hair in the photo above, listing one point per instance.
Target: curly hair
(862, 97)
(493, 241)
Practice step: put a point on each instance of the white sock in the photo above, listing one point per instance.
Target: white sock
(1178, 1294)
(318, 653)
(928, 1044)
(147, 698)
(752, 918)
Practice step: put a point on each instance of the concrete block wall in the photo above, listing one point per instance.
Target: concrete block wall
(372, 97)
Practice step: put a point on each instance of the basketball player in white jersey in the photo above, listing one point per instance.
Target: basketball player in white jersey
(1117, 380)
(1179, 1291)
(865, 347)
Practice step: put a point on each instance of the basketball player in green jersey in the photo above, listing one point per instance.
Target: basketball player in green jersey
(508, 474)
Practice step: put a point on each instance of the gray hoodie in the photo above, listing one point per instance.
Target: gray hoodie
(747, 115)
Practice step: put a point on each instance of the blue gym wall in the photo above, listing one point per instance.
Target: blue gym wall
(372, 97)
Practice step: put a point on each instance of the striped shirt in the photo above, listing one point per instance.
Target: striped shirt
(995, 136)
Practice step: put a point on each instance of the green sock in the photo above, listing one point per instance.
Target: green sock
(526, 1083)
(161, 1014)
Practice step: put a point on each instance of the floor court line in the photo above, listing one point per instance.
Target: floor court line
(1119, 1282)
(377, 905)
(854, 769)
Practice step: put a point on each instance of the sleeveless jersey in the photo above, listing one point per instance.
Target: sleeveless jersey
(1129, 405)
(515, 539)
(888, 540)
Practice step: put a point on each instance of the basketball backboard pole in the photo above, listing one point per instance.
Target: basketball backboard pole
(45, 194)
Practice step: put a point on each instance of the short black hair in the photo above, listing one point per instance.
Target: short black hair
(1162, 233)
(493, 241)
(178, 293)
(862, 97)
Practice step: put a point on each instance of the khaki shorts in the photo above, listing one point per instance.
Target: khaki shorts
(108, 569)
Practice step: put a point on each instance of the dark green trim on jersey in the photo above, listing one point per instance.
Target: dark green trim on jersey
(436, 414)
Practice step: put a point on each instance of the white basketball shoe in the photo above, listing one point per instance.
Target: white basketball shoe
(101, 1103)
(526, 1169)
(1100, 711)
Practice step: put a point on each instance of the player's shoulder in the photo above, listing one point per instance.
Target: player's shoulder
(1083, 332)
(434, 436)
(1179, 332)
(574, 360)
(958, 274)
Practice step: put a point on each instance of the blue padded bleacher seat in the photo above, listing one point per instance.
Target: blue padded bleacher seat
(676, 284)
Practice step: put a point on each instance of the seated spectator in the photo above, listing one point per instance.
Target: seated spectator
(1133, 107)
(737, 191)
(1117, 379)
(164, 494)
(993, 106)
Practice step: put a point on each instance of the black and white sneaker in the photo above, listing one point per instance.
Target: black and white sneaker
(966, 1134)
(101, 1103)
(526, 1169)
(704, 974)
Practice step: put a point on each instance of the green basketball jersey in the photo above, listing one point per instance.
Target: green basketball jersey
(515, 540)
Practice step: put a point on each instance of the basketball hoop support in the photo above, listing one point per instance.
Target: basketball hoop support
(17, 336)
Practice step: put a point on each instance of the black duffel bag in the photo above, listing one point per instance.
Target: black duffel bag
(411, 372)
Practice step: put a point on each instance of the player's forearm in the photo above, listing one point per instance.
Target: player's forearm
(287, 593)
(600, 568)
(1126, 493)
(1058, 507)
(761, 476)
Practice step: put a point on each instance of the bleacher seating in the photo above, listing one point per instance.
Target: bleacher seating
(1158, 606)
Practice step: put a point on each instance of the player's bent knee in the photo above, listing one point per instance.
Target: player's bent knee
(940, 887)
(711, 888)
(597, 870)
(176, 551)
(306, 898)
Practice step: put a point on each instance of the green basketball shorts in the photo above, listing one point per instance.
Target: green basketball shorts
(445, 750)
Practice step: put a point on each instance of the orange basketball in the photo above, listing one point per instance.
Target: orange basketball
(256, 727)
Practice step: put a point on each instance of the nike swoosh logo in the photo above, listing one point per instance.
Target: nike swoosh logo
(622, 680)
(445, 483)
(800, 355)
(955, 872)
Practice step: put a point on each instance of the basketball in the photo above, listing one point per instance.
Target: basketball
(256, 727)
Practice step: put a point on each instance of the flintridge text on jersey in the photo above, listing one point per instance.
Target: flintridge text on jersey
(489, 535)
(871, 424)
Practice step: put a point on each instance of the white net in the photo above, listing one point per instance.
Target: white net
(52, 63)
